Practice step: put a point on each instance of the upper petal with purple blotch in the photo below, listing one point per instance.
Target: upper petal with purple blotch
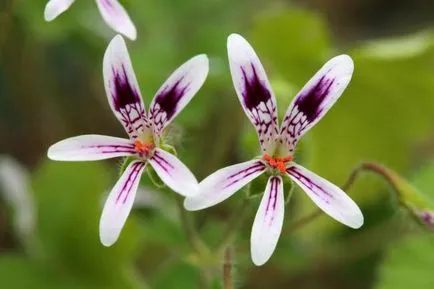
(174, 173)
(117, 18)
(90, 148)
(253, 90)
(328, 197)
(119, 203)
(122, 89)
(56, 7)
(177, 91)
(268, 222)
(224, 183)
(316, 98)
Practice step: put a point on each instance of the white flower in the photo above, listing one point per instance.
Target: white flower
(278, 144)
(111, 11)
(144, 130)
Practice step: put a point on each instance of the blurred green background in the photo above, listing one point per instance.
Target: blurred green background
(51, 88)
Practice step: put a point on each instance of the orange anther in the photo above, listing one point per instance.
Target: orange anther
(287, 159)
(267, 157)
(141, 147)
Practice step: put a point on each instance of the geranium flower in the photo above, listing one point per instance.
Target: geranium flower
(278, 144)
(111, 11)
(144, 130)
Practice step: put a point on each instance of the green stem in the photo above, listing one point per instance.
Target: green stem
(234, 224)
(192, 236)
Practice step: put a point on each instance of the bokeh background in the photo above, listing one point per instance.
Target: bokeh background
(51, 88)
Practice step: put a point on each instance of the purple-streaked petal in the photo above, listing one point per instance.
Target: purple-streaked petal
(90, 147)
(174, 173)
(56, 7)
(328, 197)
(117, 18)
(253, 90)
(122, 89)
(224, 183)
(177, 91)
(268, 222)
(316, 98)
(119, 203)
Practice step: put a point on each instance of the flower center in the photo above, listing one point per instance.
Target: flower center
(143, 148)
(277, 163)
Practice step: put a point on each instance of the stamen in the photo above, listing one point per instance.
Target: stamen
(140, 147)
(277, 163)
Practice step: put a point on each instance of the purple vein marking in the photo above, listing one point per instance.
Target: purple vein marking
(130, 181)
(163, 163)
(167, 102)
(272, 199)
(310, 102)
(258, 101)
(106, 149)
(240, 175)
(315, 188)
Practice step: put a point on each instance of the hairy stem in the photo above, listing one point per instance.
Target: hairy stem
(227, 269)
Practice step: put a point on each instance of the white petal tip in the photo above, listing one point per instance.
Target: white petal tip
(356, 222)
(345, 61)
(193, 204)
(131, 33)
(56, 7)
(108, 240)
(259, 261)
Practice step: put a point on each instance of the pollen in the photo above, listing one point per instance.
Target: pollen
(277, 163)
(140, 147)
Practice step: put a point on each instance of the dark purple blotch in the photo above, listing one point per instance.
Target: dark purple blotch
(124, 93)
(310, 101)
(169, 98)
(255, 90)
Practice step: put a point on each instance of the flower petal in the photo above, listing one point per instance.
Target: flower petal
(316, 98)
(253, 90)
(268, 222)
(117, 18)
(119, 203)
(122, 89)
(174, 173)
(224, 183)
(328, 197)
(177, 91)
(56, 7)
(90, 147)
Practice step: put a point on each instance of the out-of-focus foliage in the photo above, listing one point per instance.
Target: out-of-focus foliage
(51, 88)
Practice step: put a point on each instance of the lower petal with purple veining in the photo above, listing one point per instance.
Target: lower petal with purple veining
(90, 147)
(174, 173)
(224, 183)
(327, 196)
(119, 203)
(268, 222)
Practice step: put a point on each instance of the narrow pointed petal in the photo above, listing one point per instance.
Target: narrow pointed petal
(268, 222)
(177, 91)
(56, 7)
(316, 98)
(224, 183)
(115, 15)
(253, 90)
(90, 147)
(119, 203)
(122, 89)
(328, 197)
(174, 173)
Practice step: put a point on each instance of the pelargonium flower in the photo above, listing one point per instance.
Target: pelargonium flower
(112, 12)
(278, 144)
(144, 130)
